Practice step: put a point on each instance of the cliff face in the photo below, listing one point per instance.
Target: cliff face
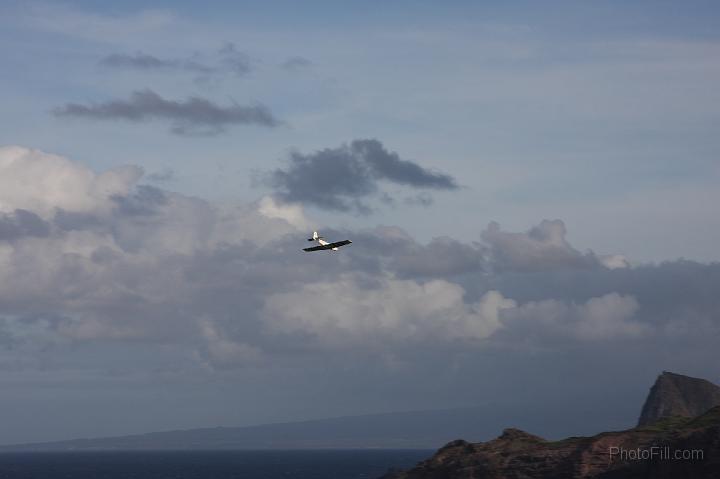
(678, 395)
(681, 416)
(519, 455)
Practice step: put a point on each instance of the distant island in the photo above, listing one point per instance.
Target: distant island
(424, 429)
(427, 429)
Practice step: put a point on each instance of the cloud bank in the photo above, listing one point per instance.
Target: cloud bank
(99, 258)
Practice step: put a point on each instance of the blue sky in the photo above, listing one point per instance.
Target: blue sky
(543, 112)
(603, 115)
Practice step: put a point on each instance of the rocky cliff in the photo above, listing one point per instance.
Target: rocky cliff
(678, 395)
(669, 443)
(669, 448)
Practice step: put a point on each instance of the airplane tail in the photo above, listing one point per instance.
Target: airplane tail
(315, 236)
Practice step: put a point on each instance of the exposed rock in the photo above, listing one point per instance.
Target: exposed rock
(519, 455)
(678, 395)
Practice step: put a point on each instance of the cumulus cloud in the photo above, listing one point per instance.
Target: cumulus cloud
(42, 183)
(344, 311)
(543, 247)
(194, 116)
(90, 249)
(341, 178)
(611, 316)
(441, 257)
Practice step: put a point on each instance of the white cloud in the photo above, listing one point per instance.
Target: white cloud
(611, 316)
(119, 259)
(42, 183)
(293, 213)
(345, 311)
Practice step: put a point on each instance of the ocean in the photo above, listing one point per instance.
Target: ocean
(307, 464)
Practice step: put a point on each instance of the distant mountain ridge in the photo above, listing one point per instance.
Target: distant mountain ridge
(413, 430)
(678, 395)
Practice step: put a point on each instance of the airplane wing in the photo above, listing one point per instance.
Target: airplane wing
(328, 246)
(318, 248)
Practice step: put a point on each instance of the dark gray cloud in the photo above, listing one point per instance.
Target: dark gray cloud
(341, 178)
(392, 249)
(387, 165)
(22, 223)
(227, 60)
(442, 257)
(75, 221)
(193, 116)
(144, 201)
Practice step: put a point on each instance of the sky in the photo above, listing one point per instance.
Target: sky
(530, 190)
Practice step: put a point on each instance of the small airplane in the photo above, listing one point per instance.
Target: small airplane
(323, 245)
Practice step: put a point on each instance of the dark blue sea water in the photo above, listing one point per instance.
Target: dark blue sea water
(355, 464)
